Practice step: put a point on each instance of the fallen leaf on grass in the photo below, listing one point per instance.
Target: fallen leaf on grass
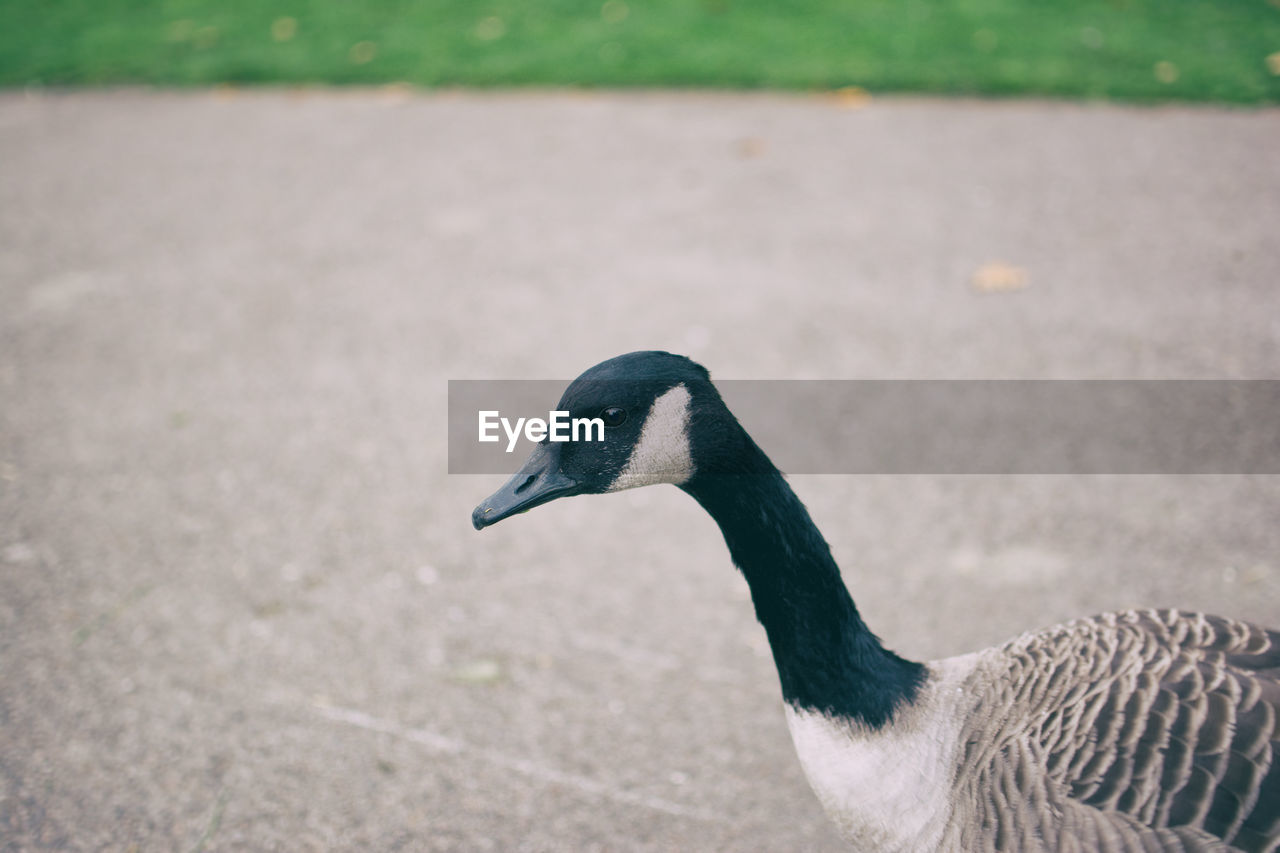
(1166, 72)
(284, 29)
(362, 52)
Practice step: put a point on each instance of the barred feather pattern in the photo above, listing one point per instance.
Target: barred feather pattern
(1133, 731)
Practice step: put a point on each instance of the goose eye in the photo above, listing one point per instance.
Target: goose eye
(613, 416)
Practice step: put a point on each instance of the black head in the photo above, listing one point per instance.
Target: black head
(660, 420)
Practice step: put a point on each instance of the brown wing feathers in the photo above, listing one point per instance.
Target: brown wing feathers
(1179, 731)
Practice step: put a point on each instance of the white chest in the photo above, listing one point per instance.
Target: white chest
(888, 790)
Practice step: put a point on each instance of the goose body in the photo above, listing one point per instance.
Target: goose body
(1132, 731)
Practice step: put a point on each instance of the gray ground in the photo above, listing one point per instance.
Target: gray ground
(241, 605)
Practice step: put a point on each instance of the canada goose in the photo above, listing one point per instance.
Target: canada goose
(1132, 731)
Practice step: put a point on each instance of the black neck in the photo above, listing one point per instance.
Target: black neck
(827, 658)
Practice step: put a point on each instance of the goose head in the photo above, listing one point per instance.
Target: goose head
(663, 422)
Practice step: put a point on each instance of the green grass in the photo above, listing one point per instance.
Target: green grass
(1203, 50)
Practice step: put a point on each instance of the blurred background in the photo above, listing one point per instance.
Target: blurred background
(244, 247)
(1194, 50)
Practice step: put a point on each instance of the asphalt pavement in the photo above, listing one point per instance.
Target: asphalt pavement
(242, 606)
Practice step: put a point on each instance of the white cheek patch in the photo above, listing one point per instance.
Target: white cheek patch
(662, 453)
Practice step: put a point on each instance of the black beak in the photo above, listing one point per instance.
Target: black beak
(538, 481)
